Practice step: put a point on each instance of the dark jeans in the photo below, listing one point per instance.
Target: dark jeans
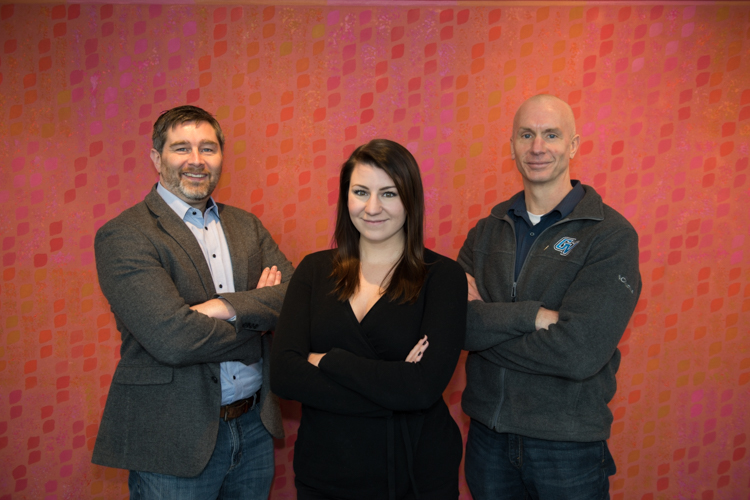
(241, 468)
(508, 466)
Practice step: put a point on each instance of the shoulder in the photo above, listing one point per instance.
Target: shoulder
(616, 219)
(610, 220)
(497, 213)
(324, 257)
(315, 262)
(443, 268)
(501, 209)
(486, 231)
(130, 219)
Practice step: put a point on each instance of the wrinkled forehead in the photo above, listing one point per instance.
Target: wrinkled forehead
(197, 130)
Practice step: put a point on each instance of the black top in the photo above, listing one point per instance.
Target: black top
(366, 413)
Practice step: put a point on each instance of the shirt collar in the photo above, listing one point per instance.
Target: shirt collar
(518, 208)
(571, 199)
(179, 206)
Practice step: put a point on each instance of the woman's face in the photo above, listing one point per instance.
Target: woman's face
(374, 205)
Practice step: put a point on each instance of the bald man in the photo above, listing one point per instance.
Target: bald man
(553, 281)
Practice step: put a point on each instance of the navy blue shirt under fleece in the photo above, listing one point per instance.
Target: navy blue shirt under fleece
(526, 232)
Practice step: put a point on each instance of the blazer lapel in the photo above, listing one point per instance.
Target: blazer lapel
(176, 228)
(237, 248)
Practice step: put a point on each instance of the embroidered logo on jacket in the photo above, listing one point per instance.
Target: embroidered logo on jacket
(624, 281)
(565, 245)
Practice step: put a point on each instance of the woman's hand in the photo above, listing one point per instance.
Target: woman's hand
(415, 356)
(314, 358)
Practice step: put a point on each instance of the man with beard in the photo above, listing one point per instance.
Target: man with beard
(193, 285)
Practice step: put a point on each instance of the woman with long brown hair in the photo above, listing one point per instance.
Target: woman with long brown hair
(368, 338)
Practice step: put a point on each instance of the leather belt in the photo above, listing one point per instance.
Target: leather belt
(239, 407)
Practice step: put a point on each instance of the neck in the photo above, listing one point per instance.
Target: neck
(542, 198)
(384, 252)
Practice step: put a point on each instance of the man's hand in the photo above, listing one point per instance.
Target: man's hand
(545, 318)
(221, 309)
(215, 308)
(473, 292)
(270, 277)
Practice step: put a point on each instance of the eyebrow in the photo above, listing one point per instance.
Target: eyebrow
(552, 129)
(365, 187)
(186, 143)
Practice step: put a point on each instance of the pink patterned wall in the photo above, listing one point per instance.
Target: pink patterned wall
(662, 99)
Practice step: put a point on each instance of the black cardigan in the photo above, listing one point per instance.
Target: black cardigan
(372, 425)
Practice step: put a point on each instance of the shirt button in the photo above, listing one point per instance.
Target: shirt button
(195, 213)
(531, 234)
(214, 256)
(234, 377)
(205, 228)
(215, 380)
(221, 286)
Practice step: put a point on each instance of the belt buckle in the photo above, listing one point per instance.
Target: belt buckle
(245, 403)
(229, 407)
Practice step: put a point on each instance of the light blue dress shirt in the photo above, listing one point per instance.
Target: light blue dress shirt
(238, 381)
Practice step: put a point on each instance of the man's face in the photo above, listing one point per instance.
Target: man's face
(189, 166)
(544, 141)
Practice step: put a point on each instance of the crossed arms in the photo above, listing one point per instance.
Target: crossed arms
(353, 383)
(544, 317)
(150, 282)
(576, 340)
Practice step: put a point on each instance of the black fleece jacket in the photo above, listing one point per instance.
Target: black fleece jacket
(552, 383)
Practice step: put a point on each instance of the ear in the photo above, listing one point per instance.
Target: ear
(156, 160)
(574, 143)
(512, 150)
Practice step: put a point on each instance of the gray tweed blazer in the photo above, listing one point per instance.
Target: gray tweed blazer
(162, 410)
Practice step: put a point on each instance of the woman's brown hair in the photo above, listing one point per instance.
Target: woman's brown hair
(410, 271)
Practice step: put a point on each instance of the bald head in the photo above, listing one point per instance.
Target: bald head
(544, 141)
(556, 107)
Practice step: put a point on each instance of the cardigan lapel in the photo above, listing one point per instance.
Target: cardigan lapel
(237, 248)
(176, 228)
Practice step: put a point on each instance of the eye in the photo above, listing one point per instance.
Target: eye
(207, 150)
(552, 136)
(390, 194)
(359, 192)
(526, 136)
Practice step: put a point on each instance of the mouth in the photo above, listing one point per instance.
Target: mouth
(194, 176)
(538, 164)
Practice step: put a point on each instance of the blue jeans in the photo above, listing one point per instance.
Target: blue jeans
(509, 466)
(241, 467)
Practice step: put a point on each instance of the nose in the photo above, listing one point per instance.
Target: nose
(373, 205)
(195, 157)
(537, 146)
